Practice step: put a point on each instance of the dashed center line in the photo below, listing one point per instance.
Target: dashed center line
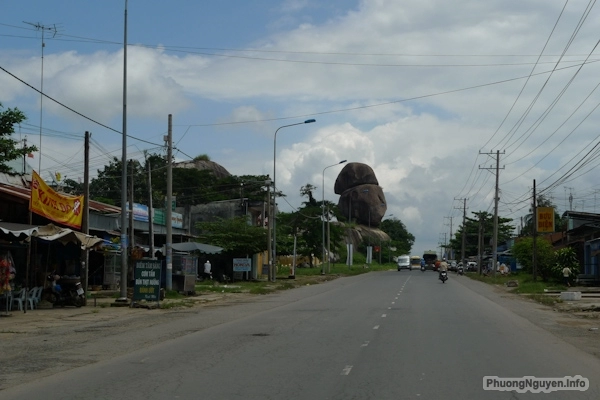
(365, 344)
(346, 370)
(376, 327)
(383, 315)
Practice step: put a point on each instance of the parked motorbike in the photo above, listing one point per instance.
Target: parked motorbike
(443, 276)
(64, 291)
(460, 270)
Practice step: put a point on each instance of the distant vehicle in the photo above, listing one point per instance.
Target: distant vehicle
(430, 256)
(404, 263)
(452, 265)
(415, 262)
(471, 266)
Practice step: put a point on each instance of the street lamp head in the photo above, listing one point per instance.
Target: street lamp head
(309, 121)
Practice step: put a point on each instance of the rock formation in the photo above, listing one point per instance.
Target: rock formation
(217, 169)
(361, 197)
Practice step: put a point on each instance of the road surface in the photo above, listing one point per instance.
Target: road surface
(387, 335)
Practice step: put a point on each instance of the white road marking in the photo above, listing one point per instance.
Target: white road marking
(389, 308)
(365, 344)
(376, 327)
(346, 370)
(393, 302)
(383, 315)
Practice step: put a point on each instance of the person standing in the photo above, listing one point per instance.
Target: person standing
(566, 275)
(207, 270)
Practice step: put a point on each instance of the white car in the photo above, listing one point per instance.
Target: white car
(404, 263)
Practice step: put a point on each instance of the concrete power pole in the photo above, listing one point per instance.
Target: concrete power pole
(169, 206)
(496, 199)
(464, 234)
(86, 209)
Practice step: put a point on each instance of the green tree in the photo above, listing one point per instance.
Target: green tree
(235, 236)
(545, 260)
(542, 201)
(8, 146)
(565, 257)
(306, 224)
(190, 186)
(401, 239)
(471, 231)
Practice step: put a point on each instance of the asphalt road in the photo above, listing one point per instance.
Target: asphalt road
(389, 335)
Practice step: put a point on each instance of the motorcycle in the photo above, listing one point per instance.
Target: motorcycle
(64, 291)
(443, 276)
(422, 268)
(460, 270)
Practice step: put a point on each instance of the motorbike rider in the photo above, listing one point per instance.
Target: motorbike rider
(443, 267)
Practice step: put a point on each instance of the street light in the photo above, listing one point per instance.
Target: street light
(323, 214)
(274, 258)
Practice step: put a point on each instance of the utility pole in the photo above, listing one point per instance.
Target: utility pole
(480, 237)
(534, 253)
(496, 199)
(123, 286)
(464, 234)
(43, 29)
(169, 206)
(86, 209)
(131, 228)
(150, 216)
(451, 252)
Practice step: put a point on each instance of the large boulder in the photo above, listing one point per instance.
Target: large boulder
(354, 174)
(217, 169)
(361, 197)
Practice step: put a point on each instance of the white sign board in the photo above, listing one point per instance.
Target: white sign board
(242, 265)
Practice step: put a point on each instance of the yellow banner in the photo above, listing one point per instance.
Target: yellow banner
(64, 209)
(545, 219)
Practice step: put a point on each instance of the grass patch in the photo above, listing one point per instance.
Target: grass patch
(286, 286)
(261, 290)
(166, 305)
(534, 290)
(544, 299)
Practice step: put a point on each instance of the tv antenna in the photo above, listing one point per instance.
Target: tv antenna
(42, 28)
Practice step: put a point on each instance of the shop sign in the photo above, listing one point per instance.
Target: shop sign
(64, 209)
(242, 265)
(147, 280)
(545, 219)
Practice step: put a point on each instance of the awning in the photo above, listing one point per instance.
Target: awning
(12, 231)
(52, 233)
(195, 246)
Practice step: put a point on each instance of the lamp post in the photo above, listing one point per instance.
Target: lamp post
(323, 215)
(274, 258)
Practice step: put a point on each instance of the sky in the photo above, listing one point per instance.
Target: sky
(428, 93)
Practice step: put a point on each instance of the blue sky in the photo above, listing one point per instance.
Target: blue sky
(418, 90)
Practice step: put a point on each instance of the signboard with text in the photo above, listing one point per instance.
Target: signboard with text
(147, 280)
(242, 265)
(545, 219)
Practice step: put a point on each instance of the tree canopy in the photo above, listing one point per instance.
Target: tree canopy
(190, 186)
(8, 146)
(484, 221)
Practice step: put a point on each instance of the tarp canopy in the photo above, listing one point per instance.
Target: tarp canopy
(195, 246)
(16, 232)
(53, 233)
